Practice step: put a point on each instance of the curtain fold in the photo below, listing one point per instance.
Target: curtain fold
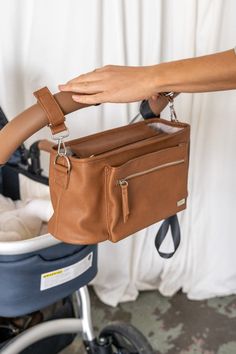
(49, 42)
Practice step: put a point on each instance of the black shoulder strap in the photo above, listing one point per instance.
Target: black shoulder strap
(173, 223)
(146, 111)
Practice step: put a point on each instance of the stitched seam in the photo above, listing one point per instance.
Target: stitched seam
(106, 202)
(59, 112)
(44, 105)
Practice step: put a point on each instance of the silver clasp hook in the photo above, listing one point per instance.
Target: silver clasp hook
(61, 150)
(61, 147)
(170, 97)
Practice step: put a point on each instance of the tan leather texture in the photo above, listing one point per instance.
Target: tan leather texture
(110, 184)
(117, 182)
(29, 122)
(55, 115)
(122, 189)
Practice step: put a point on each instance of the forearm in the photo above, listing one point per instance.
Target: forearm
(129, 84)
(201, 74)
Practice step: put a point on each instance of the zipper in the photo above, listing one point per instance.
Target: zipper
(124, 184)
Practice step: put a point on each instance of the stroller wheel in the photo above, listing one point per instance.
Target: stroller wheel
(126, 339)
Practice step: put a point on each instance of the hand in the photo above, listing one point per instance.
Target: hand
(154, 104)
(158, 103)
(113, 84)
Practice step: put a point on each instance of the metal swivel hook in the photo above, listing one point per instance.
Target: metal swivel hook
(170, 97)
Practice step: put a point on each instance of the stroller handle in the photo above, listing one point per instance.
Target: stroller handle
(14, 133)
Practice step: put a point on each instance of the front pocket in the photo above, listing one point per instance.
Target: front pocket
(146, 189)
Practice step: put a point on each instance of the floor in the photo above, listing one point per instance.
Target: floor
(173, 325)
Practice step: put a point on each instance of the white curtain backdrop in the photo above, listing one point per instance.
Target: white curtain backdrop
(47, 42)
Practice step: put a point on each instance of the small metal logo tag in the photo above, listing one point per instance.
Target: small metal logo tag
(181, 202)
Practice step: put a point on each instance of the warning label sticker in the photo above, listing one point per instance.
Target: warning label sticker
(63, 275)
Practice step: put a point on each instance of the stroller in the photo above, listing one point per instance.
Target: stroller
(38, 272)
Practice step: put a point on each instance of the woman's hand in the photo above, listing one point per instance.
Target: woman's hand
(159, 102)
(113, 84)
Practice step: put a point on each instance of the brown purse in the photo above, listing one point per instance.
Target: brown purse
(109, 185)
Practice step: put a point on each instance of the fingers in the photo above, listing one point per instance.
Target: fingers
(83, 82)
(155, 97)
(89, 86)
(90, 99)
(82, 87)
(91, 76)
(94, 75)
(86, 83)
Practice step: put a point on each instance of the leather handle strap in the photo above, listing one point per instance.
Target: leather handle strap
(19, 129)
(52, 109)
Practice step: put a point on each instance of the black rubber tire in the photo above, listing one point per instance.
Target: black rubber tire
(119, 333)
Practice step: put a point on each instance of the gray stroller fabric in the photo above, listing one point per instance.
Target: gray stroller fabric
(30, 282)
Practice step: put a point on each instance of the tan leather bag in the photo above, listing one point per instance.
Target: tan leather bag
(112, 184)
(109, 185)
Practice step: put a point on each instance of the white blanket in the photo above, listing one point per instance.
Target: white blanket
(15, 221)
(23, 219)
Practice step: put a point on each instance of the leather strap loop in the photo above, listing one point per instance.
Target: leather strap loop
(53, 111)
(173, 223)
